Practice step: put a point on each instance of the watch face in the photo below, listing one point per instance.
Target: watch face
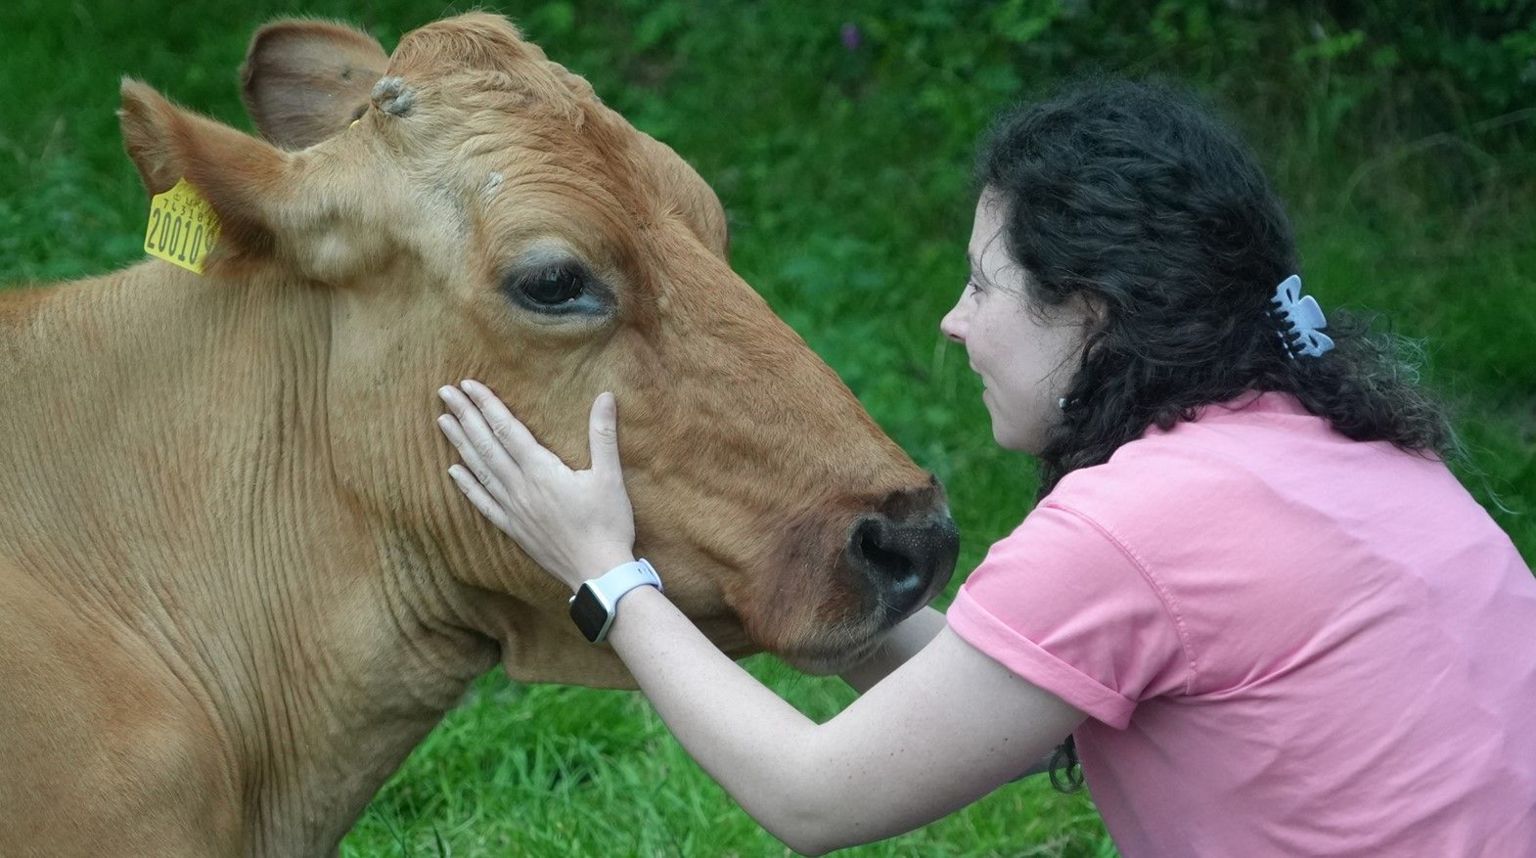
(590, 615)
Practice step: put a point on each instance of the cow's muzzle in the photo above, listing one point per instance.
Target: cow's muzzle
(907, 554)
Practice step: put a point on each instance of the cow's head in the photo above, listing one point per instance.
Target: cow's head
(474, 211)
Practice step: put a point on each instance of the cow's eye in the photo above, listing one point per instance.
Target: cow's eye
(561, 287)
(557, 284)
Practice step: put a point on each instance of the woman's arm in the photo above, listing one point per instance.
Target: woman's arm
(946, 727)
(905, 641)
(943, 730)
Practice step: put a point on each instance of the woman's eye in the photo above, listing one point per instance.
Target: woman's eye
(555, 285)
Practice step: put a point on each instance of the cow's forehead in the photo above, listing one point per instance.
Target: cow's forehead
(486, 53)
(521, 120)
(500, 101)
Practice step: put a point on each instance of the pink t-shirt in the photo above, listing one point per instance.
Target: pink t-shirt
(1287, 642)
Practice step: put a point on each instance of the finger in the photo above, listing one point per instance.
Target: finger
(455, 434)
(479, 449)
(471, 457)
(510, 431)
(472, 489)
(603, 431)
(492, 452)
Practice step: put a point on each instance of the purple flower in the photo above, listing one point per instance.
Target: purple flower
(851, 36)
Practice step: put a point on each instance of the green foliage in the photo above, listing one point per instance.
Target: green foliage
(840, 138)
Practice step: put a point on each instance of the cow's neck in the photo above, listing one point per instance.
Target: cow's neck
(166, 459)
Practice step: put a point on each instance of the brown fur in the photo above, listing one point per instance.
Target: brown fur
(236, 586)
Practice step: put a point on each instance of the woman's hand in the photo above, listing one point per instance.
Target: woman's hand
(575, 524)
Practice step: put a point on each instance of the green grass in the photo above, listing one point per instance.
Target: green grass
(547, 770)
(845, 174)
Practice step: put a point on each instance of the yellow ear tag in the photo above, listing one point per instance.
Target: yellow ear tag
(182, 227)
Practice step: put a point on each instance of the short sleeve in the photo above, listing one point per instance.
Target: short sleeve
(1061, 603)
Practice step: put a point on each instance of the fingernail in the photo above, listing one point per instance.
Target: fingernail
(445, 393)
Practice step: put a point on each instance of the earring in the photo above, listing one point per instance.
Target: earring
(1062, 403)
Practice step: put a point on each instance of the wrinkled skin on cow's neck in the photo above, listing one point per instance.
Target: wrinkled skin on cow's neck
(272, 649)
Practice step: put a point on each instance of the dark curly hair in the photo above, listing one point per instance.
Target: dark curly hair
(1137, 197)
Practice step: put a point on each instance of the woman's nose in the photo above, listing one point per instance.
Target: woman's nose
(952, 326)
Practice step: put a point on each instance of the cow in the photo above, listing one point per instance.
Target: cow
(236, 586)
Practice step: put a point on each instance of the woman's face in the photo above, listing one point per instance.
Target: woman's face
(1025, 359)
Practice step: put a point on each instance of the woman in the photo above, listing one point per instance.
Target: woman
(1272, 620)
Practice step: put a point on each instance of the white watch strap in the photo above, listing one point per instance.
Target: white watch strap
(613, 584)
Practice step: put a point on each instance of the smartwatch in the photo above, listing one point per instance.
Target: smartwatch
(596, 602)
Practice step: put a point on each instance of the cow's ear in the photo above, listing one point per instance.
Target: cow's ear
(303, 81)
(238, 174)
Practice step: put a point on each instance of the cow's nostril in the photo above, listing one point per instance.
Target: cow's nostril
(892, 564)
(906, 562)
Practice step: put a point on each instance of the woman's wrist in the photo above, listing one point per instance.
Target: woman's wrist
(595, 565)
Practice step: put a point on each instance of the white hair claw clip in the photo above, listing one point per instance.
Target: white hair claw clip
(1303, 319)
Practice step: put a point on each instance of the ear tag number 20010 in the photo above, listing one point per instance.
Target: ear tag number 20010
(182, 227)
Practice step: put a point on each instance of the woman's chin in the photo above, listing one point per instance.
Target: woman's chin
(1004, 433)
(1010, 438)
